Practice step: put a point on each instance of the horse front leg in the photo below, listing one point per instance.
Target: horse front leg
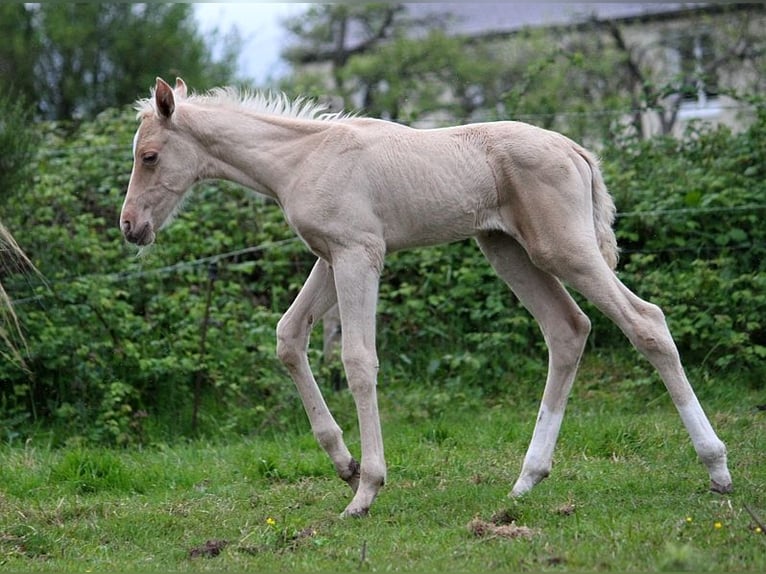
(357, 274)
(293, 330)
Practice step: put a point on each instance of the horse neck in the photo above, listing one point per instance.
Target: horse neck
(259, 151)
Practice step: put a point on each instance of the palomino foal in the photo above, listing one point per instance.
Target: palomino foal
(355, 189)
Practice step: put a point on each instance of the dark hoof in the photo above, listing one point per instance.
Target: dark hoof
(721, 488)
(355, 513)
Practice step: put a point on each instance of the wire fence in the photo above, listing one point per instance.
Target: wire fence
(53, 153)
(185, 266)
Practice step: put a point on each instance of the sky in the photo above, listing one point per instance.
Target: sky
(259, 26)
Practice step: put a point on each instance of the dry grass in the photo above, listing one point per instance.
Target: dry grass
(11, 259)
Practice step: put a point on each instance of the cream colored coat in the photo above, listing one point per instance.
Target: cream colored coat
(355, 189)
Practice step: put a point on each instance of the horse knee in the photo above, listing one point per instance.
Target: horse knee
(291, 342)
(361, 366)
(579, 327)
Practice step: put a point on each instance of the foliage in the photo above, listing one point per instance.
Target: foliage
(17, 147)
(18, 144)
(126, 349)
(592, 80)
(74, 60)
(114, 340)
(11, 257)
(334, 32)
(693, 240)
(20, 49)
(408, 78)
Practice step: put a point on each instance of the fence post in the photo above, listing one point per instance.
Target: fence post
(199, 373)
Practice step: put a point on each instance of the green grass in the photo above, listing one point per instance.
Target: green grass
(626, 493)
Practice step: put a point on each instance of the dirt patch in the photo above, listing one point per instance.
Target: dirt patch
(506, 516)
(209, 549)
(566, 509)
(483, 529)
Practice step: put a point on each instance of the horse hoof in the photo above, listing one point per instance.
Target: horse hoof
(524, 484)
(721, 488)
(355, 512)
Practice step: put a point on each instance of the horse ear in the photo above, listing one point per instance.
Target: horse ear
(163, 97)
(180, 88)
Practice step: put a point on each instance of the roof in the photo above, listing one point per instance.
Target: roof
(479, 18)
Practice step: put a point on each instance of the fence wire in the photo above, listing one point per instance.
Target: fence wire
(125, 276)
(182, 266)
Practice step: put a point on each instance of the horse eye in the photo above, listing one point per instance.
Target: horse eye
(150, 158)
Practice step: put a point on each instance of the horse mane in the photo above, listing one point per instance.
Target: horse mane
(269, 103)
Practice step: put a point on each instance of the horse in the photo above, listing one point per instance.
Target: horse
(355, 189)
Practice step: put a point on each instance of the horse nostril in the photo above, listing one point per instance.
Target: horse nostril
(125, 226)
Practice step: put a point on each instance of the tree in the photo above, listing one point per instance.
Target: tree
(331, 34)
(587, 79)
(727, 57)
(409, 78)
(18, 50)
(76, 59)
(334, 32)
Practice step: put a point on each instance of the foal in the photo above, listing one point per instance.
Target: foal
(355, 189)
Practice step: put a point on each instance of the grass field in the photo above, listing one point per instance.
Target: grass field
(626, 493)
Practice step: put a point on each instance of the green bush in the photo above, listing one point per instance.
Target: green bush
(691, 229)
(115, 340)
(18, 143)
(125, 349)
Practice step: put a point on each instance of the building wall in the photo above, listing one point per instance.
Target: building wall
(672, 47)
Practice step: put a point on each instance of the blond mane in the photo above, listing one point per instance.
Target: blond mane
(269, 103)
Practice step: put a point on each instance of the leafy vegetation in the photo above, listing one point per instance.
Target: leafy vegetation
(73, 60)
(179, 341)
(694, 241)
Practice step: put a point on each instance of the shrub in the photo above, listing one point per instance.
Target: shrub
(114, 339)
(693, 239)
(126, 349)
(18, 145)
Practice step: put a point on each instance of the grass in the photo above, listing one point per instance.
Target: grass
(626, 493)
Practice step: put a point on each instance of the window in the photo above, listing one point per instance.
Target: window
(691, 63)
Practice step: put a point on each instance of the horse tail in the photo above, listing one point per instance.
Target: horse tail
(604, 211)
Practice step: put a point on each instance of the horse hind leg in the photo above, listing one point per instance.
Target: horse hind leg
(565, 329)
(582, 267)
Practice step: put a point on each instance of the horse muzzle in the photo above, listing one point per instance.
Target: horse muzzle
(140, 235)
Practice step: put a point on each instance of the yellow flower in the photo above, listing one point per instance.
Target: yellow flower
(717, 525)
(689, 519)
(758, 530)
(270, 521)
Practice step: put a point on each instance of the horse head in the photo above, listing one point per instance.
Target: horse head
(164, 165)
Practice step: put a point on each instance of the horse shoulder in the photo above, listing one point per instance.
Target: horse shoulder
(329, 196)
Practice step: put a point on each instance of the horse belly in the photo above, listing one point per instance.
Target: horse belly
(433, 211)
